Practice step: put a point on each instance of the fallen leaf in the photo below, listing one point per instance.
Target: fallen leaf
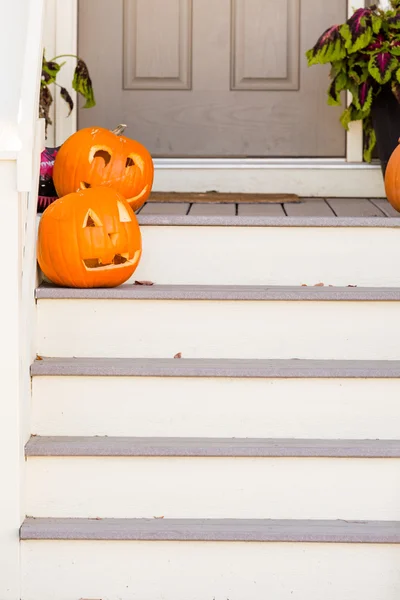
(351, 286)
(319, 285)
(304, 285)
(179, 355)
(144, 283)
(38, 357)
(158, 517)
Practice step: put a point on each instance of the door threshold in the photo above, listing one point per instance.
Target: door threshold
(220, 197)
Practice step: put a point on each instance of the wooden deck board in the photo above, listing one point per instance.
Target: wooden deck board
(305, 208)
(309, 207)
(164, 208)
(260, 210)
(354, 207)
(212, 209)
(385, 207)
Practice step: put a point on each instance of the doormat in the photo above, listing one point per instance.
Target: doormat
(220, 197)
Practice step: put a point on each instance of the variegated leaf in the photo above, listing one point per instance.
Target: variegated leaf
(381, 66)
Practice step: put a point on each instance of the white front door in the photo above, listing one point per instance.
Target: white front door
(212, 78)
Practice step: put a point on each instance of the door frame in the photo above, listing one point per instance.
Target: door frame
(344, 177)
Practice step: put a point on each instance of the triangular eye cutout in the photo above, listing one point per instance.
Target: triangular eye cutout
(129, 162)
(92, 220)
(124, 215)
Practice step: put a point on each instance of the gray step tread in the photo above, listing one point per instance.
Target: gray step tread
(204, 367)
(234, 530)
(222, 292)
(259, 221)
(209, 447)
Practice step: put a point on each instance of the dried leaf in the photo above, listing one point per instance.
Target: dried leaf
(158, 517)
(66, 96)
(351, 286)
(144, 283)
(45, 102)
(304, 285)
(83, 84)
(38, 357)
(179, 355)
(319, 285)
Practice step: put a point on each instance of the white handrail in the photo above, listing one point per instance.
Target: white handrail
(29, 101)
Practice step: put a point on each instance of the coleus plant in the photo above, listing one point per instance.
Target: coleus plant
(364, 54)
(81, 83)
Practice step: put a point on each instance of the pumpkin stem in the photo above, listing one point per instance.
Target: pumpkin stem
(120, 129)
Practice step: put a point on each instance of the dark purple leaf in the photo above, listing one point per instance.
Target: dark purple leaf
(66, 96)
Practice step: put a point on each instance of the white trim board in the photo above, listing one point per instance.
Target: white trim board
(304, 177)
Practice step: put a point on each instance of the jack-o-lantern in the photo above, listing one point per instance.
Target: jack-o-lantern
(89, 239)
(392, 179)
(95, 156)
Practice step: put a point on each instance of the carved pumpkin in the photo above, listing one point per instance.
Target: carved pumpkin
(95, 157)
(392, 179)
(89, 239)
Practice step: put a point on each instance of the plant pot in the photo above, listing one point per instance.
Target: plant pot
(386, 122)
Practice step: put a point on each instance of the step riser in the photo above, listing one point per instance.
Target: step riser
(213, 407)
(219, 329)
(198, 571)
(270, 256)
(256, 488)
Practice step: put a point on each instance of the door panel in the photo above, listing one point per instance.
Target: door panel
(223, 78)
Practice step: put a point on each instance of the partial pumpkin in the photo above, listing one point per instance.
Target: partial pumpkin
(95, 156)
(392, 179)
(89, 239)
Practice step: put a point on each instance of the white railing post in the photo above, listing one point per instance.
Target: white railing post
(20, 60)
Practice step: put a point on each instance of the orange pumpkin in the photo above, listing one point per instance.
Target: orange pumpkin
(94, 157)
(89, 239)
(392, 179)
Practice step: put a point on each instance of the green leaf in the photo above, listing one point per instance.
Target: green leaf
(356, 40)
(83, 84)
(352, 113)
(369, 139)
(376, 23)
(329, 48)
(346, 119)
(50, 70)
(338, 66)
(395, 48)
(337, 86)
(396, 90)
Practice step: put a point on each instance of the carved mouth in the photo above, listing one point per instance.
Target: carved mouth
(119, 260)
(139, 196)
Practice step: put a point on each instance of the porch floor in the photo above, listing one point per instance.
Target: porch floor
(325, 208)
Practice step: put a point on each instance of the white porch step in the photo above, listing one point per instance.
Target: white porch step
(216, 398)
(243, 250)
(107, 477)
(220, 322)
(247, 560)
